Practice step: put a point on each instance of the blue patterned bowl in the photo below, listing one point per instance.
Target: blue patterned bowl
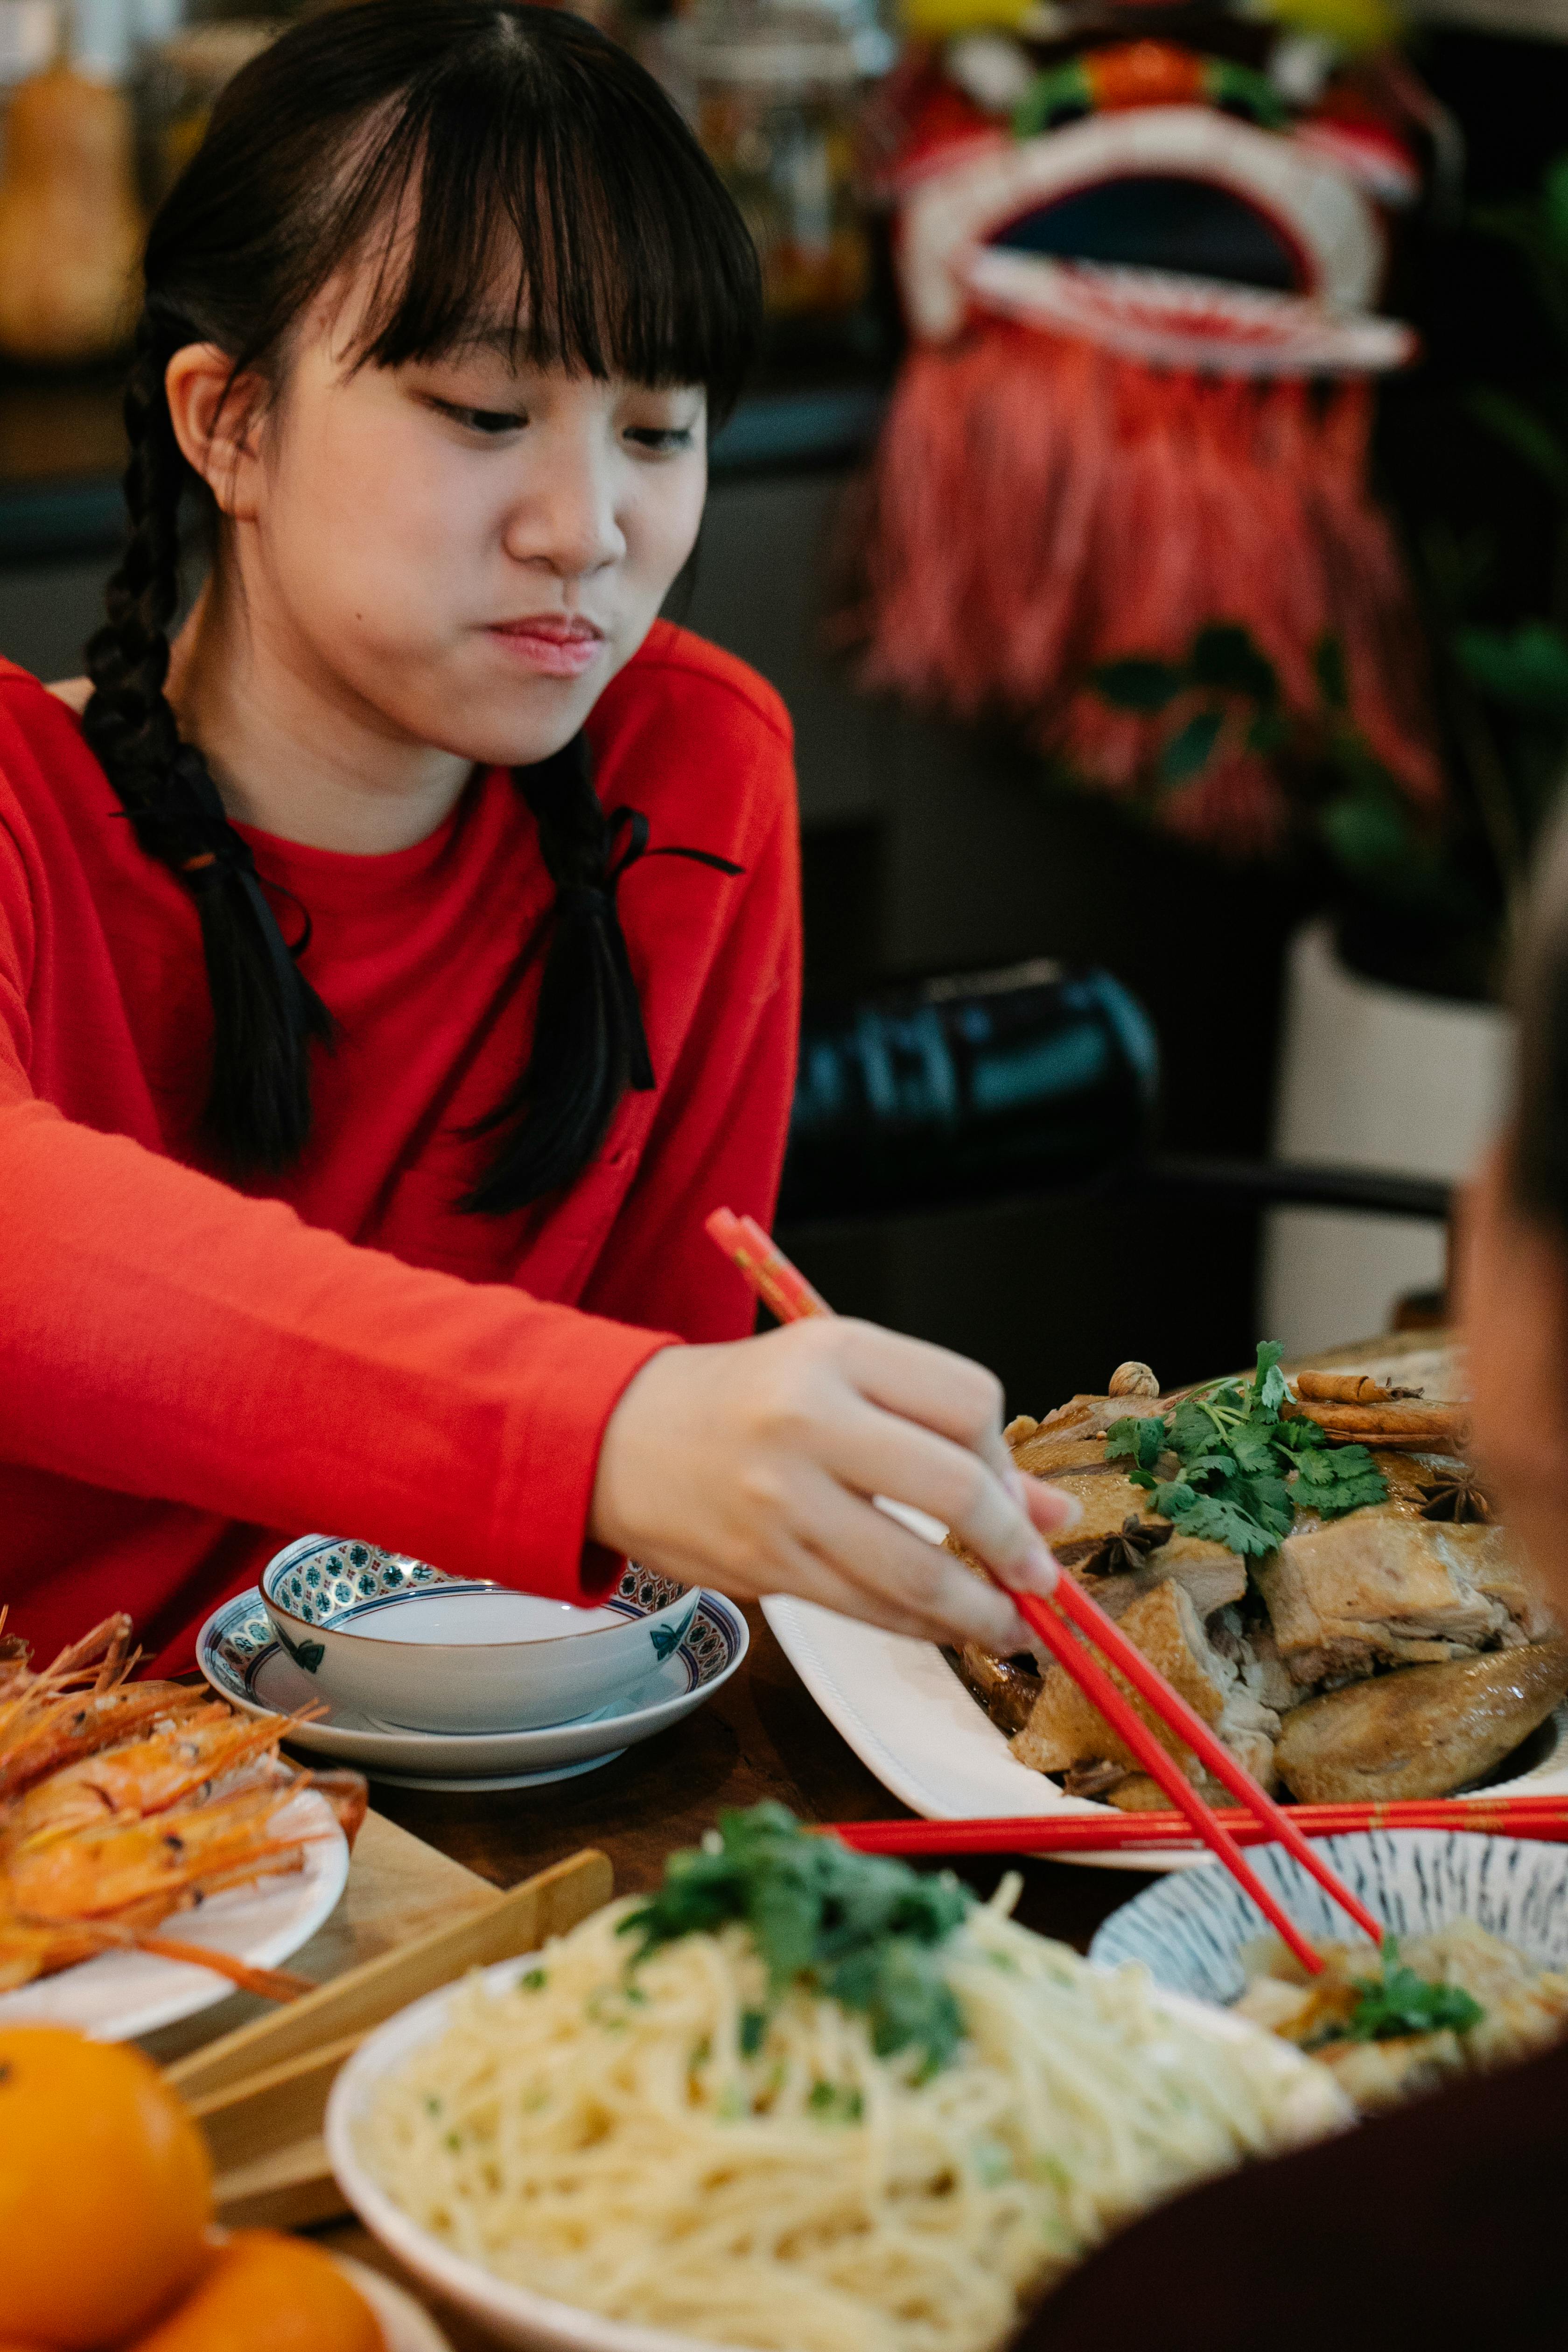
(1189, 1929)
(420, 1651)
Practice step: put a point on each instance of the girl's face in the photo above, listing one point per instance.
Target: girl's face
(461, 553)
(1515, 1302)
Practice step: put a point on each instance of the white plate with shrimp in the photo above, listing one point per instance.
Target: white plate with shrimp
(120, 1995)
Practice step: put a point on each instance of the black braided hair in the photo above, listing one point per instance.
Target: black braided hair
(585, 1053)
(532, 143)
(264, 1010)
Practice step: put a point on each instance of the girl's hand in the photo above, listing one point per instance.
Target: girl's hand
(751, 1467)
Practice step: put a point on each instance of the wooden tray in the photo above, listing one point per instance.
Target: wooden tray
(256, 2078)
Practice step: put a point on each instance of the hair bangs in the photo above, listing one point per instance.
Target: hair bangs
(543, 201)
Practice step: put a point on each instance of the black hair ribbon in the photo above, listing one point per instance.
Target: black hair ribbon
(224, 856)
(597, 899)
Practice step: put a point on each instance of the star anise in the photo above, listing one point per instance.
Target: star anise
(1458, 1495)
(1119, 1554)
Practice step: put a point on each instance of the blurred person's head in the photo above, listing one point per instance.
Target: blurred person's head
(1516, 1250)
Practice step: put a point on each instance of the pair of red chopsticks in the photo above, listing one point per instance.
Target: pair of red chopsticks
(784, 1289)
(1542, 1819)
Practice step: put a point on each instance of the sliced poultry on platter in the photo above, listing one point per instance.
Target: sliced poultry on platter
(1314, 1566)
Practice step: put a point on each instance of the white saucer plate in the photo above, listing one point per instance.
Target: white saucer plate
(906, 1715)
(240, 1655)
(122, 1994)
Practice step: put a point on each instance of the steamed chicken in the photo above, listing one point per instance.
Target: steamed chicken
(1342, 1649)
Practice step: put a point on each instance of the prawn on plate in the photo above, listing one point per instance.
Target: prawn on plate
(124, 1803)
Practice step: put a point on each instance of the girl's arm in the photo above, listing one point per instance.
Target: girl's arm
(166, 1336)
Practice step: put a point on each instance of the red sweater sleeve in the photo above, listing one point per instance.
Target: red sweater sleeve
(163, 1335)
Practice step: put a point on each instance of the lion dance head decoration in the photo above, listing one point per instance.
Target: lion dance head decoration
(1140, 265)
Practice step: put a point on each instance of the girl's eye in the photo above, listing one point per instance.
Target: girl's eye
(664, 440)
(490, 422)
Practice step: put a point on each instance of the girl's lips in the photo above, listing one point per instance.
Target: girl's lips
(553, 647)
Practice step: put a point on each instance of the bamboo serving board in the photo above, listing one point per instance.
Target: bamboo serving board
(410, 1921)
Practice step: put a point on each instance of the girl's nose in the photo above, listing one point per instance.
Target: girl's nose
(566, 520)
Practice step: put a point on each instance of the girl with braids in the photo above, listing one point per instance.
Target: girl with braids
(398, 963)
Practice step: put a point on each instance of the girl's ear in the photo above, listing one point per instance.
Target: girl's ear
(215, 415)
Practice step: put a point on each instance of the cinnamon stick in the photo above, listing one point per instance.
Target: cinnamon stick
(1387, 1424)
(1341, 1388)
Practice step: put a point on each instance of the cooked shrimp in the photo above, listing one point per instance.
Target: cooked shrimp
(140, 1871)
(143, 1776)
(40, 1734)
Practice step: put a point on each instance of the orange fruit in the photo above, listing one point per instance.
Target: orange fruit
(105, 2189)
(267, 2293)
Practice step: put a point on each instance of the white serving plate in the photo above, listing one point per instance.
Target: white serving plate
(1188, 1932)
(239, 1652)
(122, 1994)
(514, 2314)
(910, 1720)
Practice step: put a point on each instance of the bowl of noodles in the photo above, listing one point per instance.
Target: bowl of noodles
(799, 2100)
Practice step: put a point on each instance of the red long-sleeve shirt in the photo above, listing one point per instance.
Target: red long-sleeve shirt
(191, 1374)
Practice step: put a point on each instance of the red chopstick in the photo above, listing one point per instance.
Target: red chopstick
(781, 1288)
(1082, 1609)
(786, 1291)
(1543, 1819)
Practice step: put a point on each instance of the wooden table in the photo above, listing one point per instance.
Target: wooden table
(761, 1736)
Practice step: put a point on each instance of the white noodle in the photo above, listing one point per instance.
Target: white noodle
(618, 2149)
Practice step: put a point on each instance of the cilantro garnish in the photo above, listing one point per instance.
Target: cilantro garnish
(1399, 2002)
(860, 1927)
(1222, 1464)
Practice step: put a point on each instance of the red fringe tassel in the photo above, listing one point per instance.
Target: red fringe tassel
(1040, 507)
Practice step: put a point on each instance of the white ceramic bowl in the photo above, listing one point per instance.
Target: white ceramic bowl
(514, 2314)
(1188, 1931)
(416, 1649)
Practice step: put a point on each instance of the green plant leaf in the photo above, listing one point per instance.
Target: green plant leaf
(1372, 833)
(1268, 1383)
(1143, 1438)
(1137, 684)
(1526, 668)
(862, 1927)
(1226, 656)
(1269, 732)
(1399, 2002)
(1218, 1521)
(1329, 668)
(1525, 431)
(1189, 750)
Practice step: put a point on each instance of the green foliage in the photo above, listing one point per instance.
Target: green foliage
(1233, 1470)
(1225, 695)
(1527, 433)
(1225, 656)
(1526, 667)
(1143, 1440)
(1142, 685)
(1189, 750)
(861, 1928)
(1399, 2001)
